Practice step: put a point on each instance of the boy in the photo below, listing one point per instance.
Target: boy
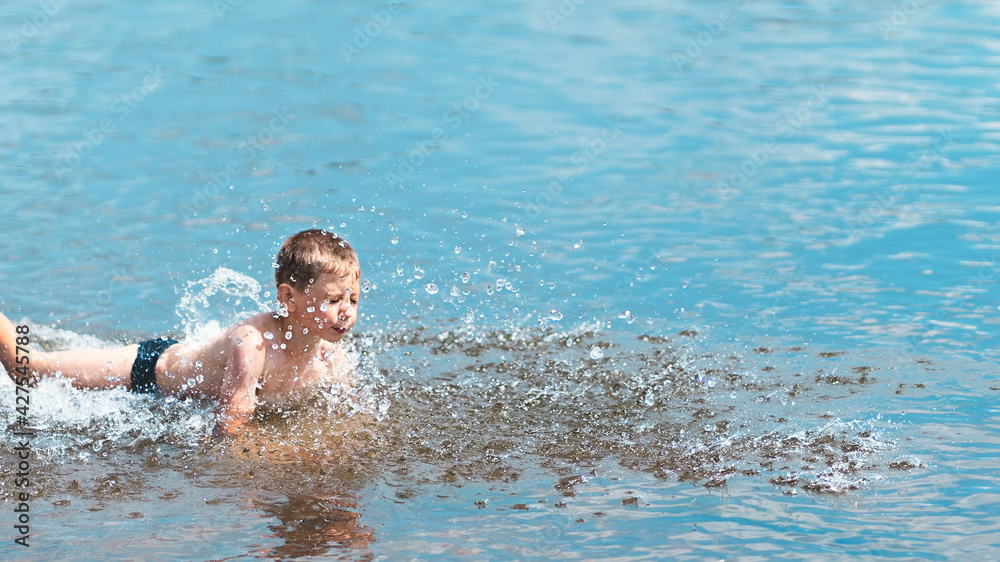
(270, 355)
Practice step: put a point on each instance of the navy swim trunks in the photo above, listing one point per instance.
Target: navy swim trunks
(144, 368)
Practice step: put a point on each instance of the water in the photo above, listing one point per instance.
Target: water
(698, 280)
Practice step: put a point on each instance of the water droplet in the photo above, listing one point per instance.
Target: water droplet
(418, 273)
(555, 315)
(268, 335)
(519, 231)
(500, 283)
(465, 277)
(578, 243)
(197, 364)
(458, 249)
(323, 307)
(625, 314)
(596, 353)
(311, 309)
(431, 288)
(394, 239)
(305, 331)
(288, 335)
(366, 286)
(239, 342)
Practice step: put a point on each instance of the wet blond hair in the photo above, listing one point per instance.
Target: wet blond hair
(307, 254)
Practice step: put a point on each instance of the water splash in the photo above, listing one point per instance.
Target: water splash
(209, 305)
(421, 394)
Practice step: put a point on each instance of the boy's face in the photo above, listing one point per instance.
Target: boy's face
(328, 307)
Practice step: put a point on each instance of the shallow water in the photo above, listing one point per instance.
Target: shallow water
(710, 279)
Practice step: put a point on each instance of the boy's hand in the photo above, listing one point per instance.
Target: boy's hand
(227, 426)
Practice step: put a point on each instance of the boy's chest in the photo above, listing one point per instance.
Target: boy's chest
(283, 378)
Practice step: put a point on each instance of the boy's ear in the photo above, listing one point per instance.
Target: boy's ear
(286, 296)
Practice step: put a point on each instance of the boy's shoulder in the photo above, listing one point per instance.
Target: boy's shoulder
(252, 331)
(262, 324)
(265, 328)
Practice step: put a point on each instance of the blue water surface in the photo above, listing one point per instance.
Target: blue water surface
(800, 195)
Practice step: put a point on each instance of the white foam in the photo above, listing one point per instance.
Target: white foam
(65, 417)
(67, 339)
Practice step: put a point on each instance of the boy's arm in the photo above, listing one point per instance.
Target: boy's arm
(238, 396)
